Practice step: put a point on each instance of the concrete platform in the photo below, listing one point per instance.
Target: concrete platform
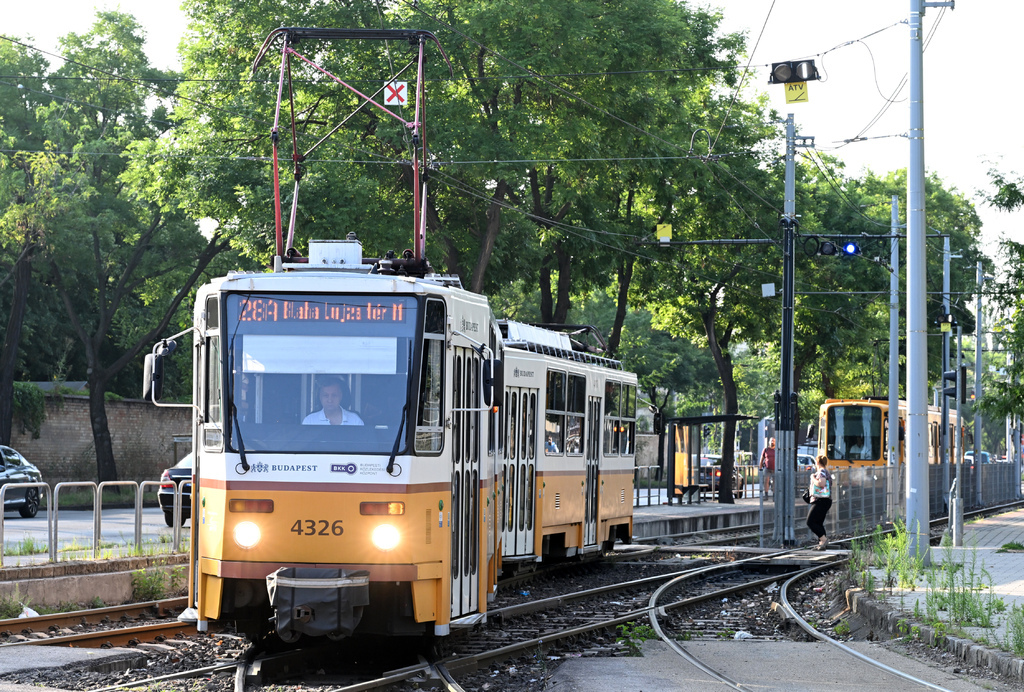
(15, 657)
(664, 519)
(757, 665)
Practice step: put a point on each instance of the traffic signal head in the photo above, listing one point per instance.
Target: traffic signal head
(847, 247)
(792, 71)
(958, 390)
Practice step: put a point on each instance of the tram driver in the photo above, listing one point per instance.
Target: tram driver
(332, 413)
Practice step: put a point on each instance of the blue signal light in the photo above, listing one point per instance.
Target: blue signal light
(851, 248)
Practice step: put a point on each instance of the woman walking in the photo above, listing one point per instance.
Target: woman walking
(821, 500)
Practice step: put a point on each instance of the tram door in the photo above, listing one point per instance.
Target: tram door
(519, 472)
(466, 441)
(593, 457)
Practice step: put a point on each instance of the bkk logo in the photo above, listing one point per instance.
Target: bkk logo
(344, 468)
(522, 373)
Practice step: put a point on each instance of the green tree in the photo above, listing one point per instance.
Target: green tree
(28, 178)
(1005, 396)
(120, 263)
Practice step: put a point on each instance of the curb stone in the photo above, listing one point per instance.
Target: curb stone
(881, 616)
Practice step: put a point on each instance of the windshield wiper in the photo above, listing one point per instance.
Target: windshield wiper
(234, 409)
(398, 440)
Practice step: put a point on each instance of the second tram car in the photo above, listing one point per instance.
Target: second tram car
(855, 432)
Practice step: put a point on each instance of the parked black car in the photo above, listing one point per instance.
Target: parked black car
(179, 473)
(711, 475)
(17, 469)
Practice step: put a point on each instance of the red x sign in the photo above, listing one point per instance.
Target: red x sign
(396, 94)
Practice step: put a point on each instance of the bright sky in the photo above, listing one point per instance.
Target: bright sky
(971, 119)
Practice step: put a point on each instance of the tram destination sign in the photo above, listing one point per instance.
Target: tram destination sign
(268, 309)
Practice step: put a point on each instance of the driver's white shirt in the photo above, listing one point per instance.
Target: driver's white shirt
(320, 418)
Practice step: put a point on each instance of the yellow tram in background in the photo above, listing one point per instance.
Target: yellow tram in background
(855, 432)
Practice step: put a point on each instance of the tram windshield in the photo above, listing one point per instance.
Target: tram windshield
(316, 373)
(854, 433)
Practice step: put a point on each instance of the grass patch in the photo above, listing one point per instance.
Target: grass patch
(157, 583)
(26, 546)
(1011, 547)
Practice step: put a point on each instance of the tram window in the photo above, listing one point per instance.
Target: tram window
(212, 313)
(513, 423)
(620, 418)
(430, 416)
(434, 321)
(556, 390)
(280, 348)
(553, 433)
(574, 435)
(628, 423)
(524, 429)
(428, 421)
(214, 383)
(576, 407)
(457, 403)
(612, 396)
(531, 419)
(554, 418)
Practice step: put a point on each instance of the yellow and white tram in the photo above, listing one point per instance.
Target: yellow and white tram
(371, 446)
(855, 432)
(397, 519)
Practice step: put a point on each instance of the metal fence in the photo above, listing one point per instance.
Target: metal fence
(862, 498)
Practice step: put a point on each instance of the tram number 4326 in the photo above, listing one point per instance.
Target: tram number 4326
(317, 527)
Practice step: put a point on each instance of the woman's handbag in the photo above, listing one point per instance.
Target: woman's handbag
(807, 496)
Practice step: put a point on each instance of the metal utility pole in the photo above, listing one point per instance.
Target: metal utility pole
(894, 338)
(785, 398)
(893, 461)
(944, 424)
(979, 332)
(917, 327)
(957, 517)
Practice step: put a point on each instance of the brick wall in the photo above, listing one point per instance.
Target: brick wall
(142, 435)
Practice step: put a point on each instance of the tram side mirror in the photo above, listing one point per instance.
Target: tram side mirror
(153, 370)
(812, 432)
(153, 377)
(493, 379)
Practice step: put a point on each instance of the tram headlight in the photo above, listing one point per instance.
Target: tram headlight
(247, 534)
(385, 537)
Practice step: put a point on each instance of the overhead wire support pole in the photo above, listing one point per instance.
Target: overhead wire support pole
(785, 399)
(894, 345)
(917, 328)
(946, 334)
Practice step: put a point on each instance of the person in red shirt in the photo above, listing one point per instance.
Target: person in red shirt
(768, 462)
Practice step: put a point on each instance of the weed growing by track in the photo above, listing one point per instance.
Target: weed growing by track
(957, 590)
(634, 636)
(157, 583)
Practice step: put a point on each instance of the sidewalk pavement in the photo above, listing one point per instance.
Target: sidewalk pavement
(1000, 574)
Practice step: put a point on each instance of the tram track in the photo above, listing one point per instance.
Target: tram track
(514, 637)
